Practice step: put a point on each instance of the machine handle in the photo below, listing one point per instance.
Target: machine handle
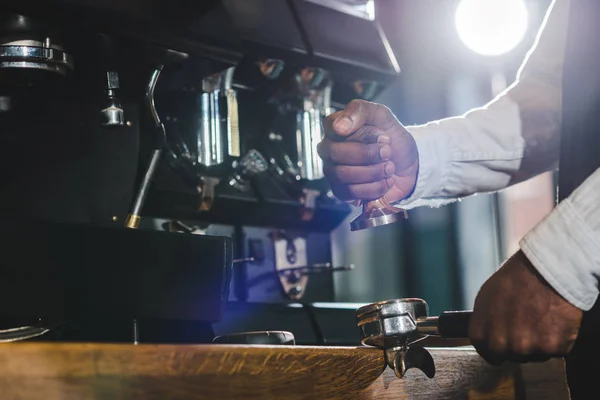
(454, 324)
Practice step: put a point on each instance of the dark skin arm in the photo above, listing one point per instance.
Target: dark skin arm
(517, 315)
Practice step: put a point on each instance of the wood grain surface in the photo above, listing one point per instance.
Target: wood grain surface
(53, 371)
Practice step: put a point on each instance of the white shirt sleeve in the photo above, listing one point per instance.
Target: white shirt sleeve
(565, 246)
(479, 152)
(513, 138)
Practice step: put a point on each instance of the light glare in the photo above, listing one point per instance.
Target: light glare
(491, 27)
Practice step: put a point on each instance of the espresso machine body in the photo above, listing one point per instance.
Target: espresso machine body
(203, 118)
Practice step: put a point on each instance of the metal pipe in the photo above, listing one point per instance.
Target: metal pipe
(133, 219)
(150, 94)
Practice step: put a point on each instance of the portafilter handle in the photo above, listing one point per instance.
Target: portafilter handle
(449, 325)
(377, 213)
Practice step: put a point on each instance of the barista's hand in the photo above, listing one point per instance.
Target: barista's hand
(367, 153)
(518, 317)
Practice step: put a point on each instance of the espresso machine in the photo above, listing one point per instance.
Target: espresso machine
(192, 136)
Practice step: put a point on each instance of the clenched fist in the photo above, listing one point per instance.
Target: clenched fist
(367, 153)
(519, 317)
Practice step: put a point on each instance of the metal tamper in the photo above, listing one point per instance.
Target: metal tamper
(376, 213)
(396, 325)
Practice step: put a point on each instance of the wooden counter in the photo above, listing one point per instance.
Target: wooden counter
(214, 372)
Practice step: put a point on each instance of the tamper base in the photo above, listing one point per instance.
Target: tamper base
(377, 213)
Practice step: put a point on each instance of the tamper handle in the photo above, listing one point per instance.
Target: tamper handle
(454, 324)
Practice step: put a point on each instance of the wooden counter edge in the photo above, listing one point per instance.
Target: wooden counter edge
(119, 371)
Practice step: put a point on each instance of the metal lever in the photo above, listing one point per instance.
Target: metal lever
(376, 213)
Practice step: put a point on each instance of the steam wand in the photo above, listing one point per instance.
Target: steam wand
(133, 219)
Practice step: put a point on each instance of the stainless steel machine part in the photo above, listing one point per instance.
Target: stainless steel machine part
(377, 213)
(218, 133)
(39, 55)
(133, 219)
(112, 114)
(314, 87)
(247, 167)
(395, 325)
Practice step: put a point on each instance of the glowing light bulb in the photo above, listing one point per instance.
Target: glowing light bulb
(491, 27)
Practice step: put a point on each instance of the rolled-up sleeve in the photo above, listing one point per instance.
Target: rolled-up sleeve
(565, 246)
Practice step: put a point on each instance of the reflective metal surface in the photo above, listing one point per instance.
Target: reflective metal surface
(377, 213)
(112, 114)
(244, 169)
(309, 134)
(35, 55)
(411, 357)
(218, 127)
(22, 333)
(391, 323)
(314, 87)
(396, 325)
(359, 8)
(133, 219)
(393, 326)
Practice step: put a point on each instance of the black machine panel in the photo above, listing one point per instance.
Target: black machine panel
(356, 46)
(226, 30)
(58, 272)
(266, 24)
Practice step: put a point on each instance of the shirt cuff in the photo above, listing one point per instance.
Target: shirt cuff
(565, 252)
(433, 147)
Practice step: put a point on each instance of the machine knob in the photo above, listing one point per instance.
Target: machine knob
(112, 113)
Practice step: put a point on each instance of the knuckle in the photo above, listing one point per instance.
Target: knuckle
(383, 113)
(334, 152)
(378, 171)
(358, 103)
(497, 344)
(340, 173)
(329, 172)
(373, 153)
(354, 191)
(476, 334)
(552, 346)
(520, 346)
